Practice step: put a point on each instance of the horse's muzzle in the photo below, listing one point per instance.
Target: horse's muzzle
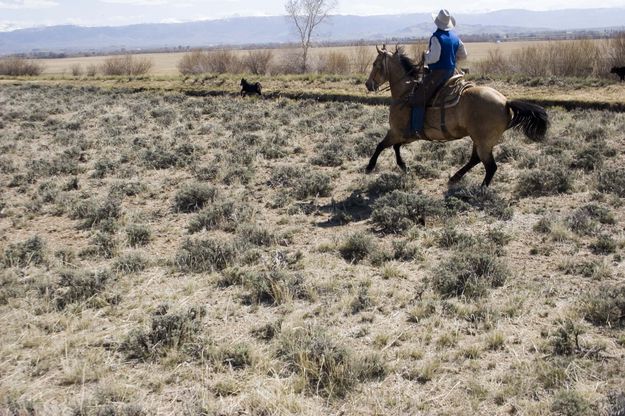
(371, 85)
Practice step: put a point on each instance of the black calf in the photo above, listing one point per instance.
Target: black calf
(248, 88)
(620, 71)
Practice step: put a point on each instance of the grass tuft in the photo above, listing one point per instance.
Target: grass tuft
(544, 182)
(605, 306)
(604, 245)
(138, 235)
(459, 199)
(222, 215)
(357, 247)
(612, 181)
(570, 403)
(79, 286)
(31, 251)
(327, 367)
(207, 255)
(274, 288)
(398, 211)
(193, 197)
(469, 274)
(130, 263)
(97, 213)
(167, 331)
(584, 220)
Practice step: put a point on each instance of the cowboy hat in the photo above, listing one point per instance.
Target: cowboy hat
(444, 20)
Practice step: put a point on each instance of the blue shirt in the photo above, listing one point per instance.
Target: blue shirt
(449, 43)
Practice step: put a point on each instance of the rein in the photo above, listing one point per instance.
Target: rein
(418, 68)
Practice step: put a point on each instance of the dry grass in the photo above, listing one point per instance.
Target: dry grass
(218, 62)
(576, 58)
(334, 63)
(16, 67)
(126, 65)
(160, 253)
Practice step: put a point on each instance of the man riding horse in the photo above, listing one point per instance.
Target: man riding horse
(444, 50)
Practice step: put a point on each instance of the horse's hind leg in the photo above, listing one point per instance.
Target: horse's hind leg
(400, 161)
(386, 142)
(488, 160)
(474, 160)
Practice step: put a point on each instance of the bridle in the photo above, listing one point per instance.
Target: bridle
(387, 71)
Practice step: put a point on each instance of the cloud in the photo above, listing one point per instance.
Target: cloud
(27, 4)
(7, 26)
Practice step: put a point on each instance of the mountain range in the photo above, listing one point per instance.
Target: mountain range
(278, 29)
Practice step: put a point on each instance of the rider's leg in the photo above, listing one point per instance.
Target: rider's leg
(430, 85)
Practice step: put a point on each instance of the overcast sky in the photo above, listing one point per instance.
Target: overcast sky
(27, 13)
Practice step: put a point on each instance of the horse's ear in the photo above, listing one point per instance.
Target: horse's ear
(378, 49)
(396, 47)
(384, 46)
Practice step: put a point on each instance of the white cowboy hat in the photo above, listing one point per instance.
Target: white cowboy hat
(444, 20)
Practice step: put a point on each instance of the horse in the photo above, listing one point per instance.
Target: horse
(247, 88)
(482, 113)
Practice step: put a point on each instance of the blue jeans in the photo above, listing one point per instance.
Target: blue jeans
(430, 86)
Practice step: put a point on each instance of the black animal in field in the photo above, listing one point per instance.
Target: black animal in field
(620, 71)
(249, 88)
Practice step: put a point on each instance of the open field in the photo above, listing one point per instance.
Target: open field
(567, 92)
(166, 63)
(168, 254)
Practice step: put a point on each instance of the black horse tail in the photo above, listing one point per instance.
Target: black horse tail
(531, 118)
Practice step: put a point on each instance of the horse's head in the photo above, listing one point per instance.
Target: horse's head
(614, 70)
(392, 67)
(380, 70)
(243, 81)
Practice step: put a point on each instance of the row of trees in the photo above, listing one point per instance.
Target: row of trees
(15, 67)
(114, 65)
(356, 59)
(129, 65)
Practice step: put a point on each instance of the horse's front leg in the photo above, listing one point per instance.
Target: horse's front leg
(386, 142)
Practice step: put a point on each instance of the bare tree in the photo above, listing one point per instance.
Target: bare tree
(362, 57)
(306, 16)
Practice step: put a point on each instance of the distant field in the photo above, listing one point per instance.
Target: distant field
(166, 63)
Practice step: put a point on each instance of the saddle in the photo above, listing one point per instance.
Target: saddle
(449, 94)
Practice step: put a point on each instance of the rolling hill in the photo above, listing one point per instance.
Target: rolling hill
(277, 29)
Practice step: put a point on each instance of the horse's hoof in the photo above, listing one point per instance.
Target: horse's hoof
(404, 168)
(368, 170)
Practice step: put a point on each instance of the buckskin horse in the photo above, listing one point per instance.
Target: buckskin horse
(482, 113)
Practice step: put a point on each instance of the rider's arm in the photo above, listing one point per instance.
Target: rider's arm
(434, 53)
(461, 53)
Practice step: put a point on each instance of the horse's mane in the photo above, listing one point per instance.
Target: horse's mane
(406, 62)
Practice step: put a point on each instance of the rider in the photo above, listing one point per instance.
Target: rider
(444, 49)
